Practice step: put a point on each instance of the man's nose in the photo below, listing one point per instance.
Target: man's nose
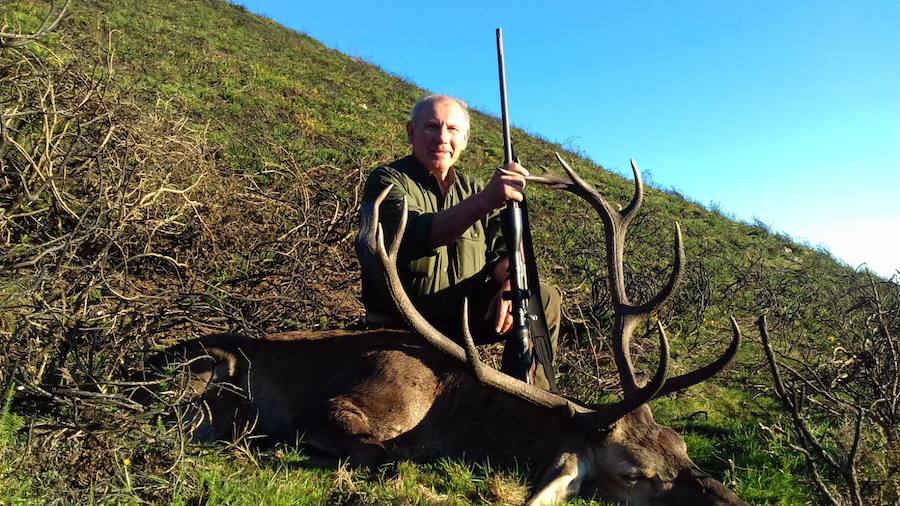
(444, 134)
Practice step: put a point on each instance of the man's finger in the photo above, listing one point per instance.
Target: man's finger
(503, 314)
(507, 324)
(511, 173)
(501, 321)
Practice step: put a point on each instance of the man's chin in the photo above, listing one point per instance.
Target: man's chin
(439, 165)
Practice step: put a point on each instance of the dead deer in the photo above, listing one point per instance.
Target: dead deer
(370, 395)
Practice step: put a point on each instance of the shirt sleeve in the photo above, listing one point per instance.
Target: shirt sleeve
(493, 233)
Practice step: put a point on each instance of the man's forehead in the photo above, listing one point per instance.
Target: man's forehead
(454, 112)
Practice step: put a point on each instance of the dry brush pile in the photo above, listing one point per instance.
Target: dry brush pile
(119, 231)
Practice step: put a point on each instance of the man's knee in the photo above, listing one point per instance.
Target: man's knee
(552, 302)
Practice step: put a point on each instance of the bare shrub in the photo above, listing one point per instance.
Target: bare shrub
(844, 404)
(120, 229)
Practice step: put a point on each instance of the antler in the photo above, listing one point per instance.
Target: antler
(592, 416)
(627, 315)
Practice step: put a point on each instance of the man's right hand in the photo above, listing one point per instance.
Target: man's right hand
(505, 185)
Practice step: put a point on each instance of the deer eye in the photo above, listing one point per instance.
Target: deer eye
(632, 477)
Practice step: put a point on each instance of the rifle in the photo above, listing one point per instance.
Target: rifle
(529, 323)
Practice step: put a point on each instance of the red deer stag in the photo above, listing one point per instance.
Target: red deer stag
(372, 394)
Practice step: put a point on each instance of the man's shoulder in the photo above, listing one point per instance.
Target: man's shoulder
(402, 173)
(399, 168)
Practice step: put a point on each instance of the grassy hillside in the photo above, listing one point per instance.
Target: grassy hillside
(175, 168)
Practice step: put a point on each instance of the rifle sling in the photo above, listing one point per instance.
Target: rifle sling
(540, 333)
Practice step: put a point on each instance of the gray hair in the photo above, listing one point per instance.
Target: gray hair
(430, 99)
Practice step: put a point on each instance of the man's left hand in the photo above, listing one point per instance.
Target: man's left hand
(502, 307)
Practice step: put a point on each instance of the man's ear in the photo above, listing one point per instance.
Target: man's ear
(409, 131)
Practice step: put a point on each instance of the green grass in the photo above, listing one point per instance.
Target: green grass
(15, 488)
(724, 437)
(217, 476)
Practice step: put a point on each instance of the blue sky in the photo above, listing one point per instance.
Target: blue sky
(782, 111)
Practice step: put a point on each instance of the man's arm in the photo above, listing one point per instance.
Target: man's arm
(449, 225)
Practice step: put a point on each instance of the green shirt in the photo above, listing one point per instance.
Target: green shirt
(436, 279)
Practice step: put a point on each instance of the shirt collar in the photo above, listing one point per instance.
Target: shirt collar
(418, 171)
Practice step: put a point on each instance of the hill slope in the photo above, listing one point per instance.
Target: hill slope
(200, 171)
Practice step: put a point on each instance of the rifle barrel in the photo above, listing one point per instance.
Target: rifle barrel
(504, 113)
(511, 219)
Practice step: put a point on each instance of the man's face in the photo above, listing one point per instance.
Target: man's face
(439, 135)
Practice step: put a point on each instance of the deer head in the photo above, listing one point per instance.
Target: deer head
(617, 446)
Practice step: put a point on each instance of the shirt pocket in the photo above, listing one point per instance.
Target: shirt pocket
(423, 267)
(471, 250)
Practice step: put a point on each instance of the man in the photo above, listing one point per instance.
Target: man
(453, 247)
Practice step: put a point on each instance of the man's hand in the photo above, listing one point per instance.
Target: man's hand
(503, 319)
(506, 184)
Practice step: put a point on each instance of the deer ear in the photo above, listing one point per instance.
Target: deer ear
(561, 480)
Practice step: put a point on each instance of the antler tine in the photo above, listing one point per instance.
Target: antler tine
(369, 227)
(550, 180)
(674, 278)
(398, 236)
(586, 191)
(472, 356)
(605, 415)
(635, 205)
(708, 371)
(488, 375)
(582, 188)
(376, 221)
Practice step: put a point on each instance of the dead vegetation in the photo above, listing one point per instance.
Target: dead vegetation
(119, 231)
(844, 407)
